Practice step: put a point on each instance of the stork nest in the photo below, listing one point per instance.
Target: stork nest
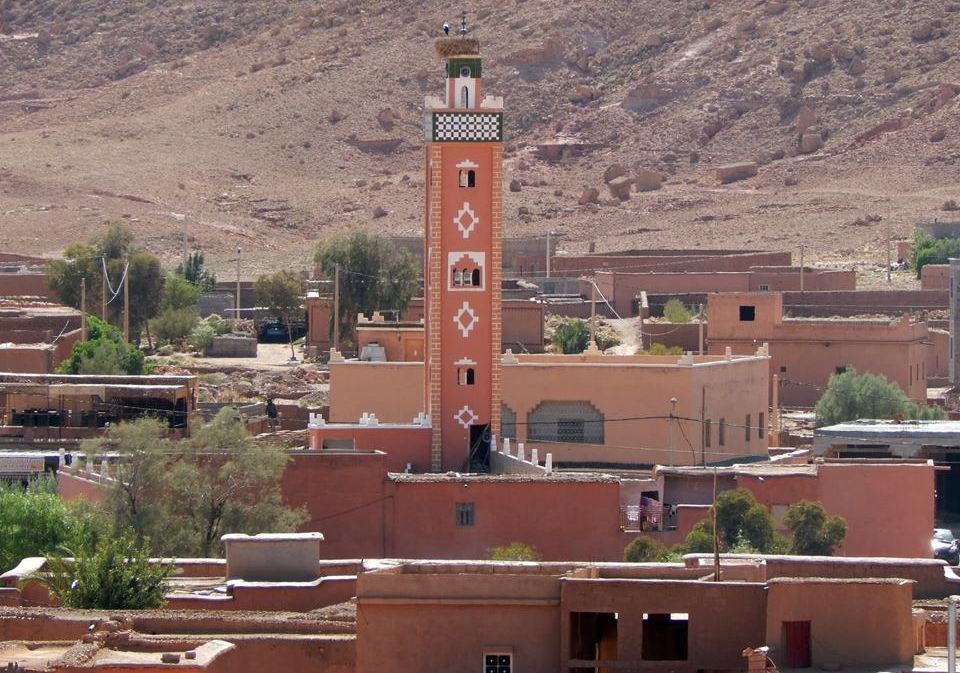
(457, 46)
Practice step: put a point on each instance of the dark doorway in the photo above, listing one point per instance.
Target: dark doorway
(593, 637)
(479, 448)
(947, 483)
(796, 641)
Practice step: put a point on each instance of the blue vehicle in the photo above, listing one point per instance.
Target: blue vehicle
(945, 546)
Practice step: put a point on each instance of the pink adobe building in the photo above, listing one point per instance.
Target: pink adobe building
(805, 352)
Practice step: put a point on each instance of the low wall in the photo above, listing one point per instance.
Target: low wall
(228, 346)
(684, 335)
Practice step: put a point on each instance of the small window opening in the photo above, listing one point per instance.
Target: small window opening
(721, 432)
(465, 96)
(706, 432)
(761, 425)
(466, 376)
(783, 370)
(465, 71)
(468, 178)
(593, 636)
(497, 662)
(457, 278)
(470, 376)
(665, 636)
(747, 428)
(464, 511)
(476, 277)
(764, 287)
(748, 313)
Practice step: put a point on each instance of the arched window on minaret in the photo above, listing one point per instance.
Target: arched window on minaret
(468, 178)
(470, 376)
(466, 276)
(476, 277)
(464, 96)
(457, 279)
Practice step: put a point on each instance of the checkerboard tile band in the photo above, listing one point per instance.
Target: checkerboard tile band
(467, 127)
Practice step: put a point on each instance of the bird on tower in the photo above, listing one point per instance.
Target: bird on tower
(446, 28)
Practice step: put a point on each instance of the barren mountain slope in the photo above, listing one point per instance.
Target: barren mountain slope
(264, 125)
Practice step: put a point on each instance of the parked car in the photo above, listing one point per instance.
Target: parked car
(945, 546)
(273, 331)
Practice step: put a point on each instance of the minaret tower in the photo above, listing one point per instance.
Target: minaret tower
(464, 190)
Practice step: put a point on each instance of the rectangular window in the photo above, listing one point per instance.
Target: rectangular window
(706, 433)
(747, 428)
(748, 313)
(464, 514)
(593, 636)
(840, 370)
(721, 432)
(665, 636)
(783, 370)
(570, 430)
(497, 662)
(761, 425)
(764, 287)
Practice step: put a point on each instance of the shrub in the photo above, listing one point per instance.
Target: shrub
(814, 532)
(175, 324)
(201, 338)
(515, 551)
(660, 349)
(850, 396)
(116, 575)
(675, 311)
(742, 523)
(929, 250)
(572, 336)
(104, 352)
(644, 549)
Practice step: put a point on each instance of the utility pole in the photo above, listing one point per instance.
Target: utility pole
(593, 313)
(83, 309)
(103, 290)
(548, 254)
(700, 328)
(126, 303)
(716, 537)
(336, 307)
(673, 415)
(237, 312)
(801, 267)
(888, 250)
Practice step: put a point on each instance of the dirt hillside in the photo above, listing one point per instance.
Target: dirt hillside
(266, 124)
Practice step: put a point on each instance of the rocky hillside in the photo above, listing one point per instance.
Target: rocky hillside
(266, 124)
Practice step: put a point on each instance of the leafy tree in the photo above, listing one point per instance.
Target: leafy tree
(644, 549)
(675, 311)
(850, 396)
(571, 336)
(175, 324)
(929, 250)
(104, 352)
(515, 551)
(115, 247)
(282, 293)
(185, 495)
(373, 275)
(178, 293)
(741, 521)
(192, 269)
(116, 575)
(35, 521)
(814, 532)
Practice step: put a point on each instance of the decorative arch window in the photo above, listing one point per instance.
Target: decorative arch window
(475, 277)
(457, 278)
(570, 422)
(508, 422)
(465, 274)
(466, 376)
(468, 177)
(464, 96)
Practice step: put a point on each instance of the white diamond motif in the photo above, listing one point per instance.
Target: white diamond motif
(465, 319)
(465, 417)
(466, 220)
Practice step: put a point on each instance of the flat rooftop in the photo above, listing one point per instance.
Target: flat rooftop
(942, 430)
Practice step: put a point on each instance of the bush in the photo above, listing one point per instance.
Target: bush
(660, 349)
(104, 352)
(175, 324)
(644, 549)
(814, 533)
(515, 551)
(929, 250)
(116, 575)
(572, 336)
(201, 338)
(850, 396)
(675, 311)
(742, 523)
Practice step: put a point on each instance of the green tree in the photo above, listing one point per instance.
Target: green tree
(116, 575)
(373, 274)
(35, 521)
(515, 551)
(814, 532)
(114, 249)
(282, 293)
(104, 352)
(193, 270)
(930, 250)
(644, 549)
(184, 495)
(850, 396)
(675, 311)
(178, 313)
(178, 293)
(741, 522)
(571, 336)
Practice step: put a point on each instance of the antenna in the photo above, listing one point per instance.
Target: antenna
(463, 24)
